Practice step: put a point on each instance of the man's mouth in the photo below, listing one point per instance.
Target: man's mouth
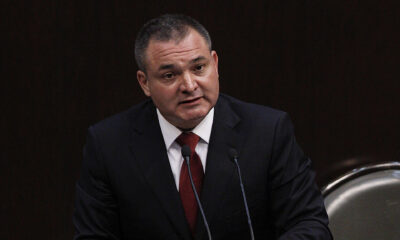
(192, 100)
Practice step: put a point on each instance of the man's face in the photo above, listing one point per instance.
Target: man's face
(181, 78)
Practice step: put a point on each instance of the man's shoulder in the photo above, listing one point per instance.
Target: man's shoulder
(251, 111)
(121, 122)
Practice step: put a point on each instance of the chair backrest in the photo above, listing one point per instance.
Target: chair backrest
(365, 203)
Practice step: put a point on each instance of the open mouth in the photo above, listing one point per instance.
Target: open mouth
(193, 100)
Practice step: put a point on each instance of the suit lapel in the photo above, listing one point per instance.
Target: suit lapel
(149, 150)
(219, 168)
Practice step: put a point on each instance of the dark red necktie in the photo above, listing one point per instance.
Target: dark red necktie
(185, 188)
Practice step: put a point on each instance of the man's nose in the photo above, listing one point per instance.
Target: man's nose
(189, 83)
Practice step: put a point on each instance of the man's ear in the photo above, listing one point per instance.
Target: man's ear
(215, 58)
(143, 81)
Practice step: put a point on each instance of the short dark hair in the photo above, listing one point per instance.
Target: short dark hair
(164, 28)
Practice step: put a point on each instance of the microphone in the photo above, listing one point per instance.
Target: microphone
(186, 156)
(234, 156)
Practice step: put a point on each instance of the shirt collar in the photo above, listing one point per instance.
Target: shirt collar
(170, 132)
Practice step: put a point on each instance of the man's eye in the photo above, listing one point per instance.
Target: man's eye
(199, 67)
(168, 75)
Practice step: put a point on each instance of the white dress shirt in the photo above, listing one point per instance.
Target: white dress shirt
(170, 133)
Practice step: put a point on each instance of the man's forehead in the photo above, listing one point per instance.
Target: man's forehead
(163, 66)
(161, 49)
(191, 48)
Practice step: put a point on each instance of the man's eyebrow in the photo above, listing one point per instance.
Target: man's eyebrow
(170, 66)
(199, 58)
(166, 66)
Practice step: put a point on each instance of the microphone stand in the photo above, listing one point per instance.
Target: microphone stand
(234, 154)
(186, 155)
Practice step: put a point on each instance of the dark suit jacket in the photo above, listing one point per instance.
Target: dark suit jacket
(127, 191)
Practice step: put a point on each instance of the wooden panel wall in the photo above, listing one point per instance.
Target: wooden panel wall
(333, 65)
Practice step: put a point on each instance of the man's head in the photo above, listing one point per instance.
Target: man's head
(164, 28)
(178, 69)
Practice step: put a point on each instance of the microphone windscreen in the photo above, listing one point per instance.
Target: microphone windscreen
(233, 153)
(185, 151)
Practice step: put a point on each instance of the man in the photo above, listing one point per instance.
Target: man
(134, 183)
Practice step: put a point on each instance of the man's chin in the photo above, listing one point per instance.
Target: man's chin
(191, 121)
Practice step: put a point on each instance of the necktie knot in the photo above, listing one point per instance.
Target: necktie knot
(190, 139)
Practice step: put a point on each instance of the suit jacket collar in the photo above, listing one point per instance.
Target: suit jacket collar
(219, 168)
(149, 151)
(148, 148)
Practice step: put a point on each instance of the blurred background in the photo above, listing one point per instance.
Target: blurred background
(332, 65)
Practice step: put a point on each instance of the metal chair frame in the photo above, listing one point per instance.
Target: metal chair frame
(355, 173)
